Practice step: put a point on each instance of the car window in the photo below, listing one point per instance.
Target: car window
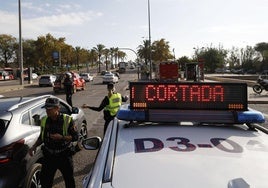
(60, 77)
(64, 109)
(37, 114)
(44, 77)
(25, 119)
(3, 125)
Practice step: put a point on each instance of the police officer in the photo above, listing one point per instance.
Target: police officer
(68, 87)
(57, 133)
(110, 105)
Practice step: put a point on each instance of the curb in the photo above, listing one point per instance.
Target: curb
(248, 82)
(4, 89)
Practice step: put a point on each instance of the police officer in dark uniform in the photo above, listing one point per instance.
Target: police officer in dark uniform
(57, 133)
(68, 87)
(110, 105)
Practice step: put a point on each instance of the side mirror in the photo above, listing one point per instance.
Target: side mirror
(92, 143)
(75, 110)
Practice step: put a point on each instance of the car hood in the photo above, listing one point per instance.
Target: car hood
(185, 156)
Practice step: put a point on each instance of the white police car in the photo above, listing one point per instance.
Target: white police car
(185, 135)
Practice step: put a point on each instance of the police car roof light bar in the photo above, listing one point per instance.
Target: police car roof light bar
(211, 102)
(204, 116)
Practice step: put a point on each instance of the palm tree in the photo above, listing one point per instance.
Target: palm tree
(93, 56)
(112, 54)
(121, 55)
(106, 53)
(99, 49)
(144, 51)
(116, 50)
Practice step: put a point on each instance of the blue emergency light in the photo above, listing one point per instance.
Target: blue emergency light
(202, 116)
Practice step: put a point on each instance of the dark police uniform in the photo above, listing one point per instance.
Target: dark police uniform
(57, 154)
(68, 87)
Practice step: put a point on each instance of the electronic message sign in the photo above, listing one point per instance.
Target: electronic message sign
(188, 95)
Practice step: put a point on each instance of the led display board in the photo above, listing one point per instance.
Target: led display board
(188, 95)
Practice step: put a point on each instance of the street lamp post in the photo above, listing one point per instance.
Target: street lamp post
(150, 48)
(20, 48)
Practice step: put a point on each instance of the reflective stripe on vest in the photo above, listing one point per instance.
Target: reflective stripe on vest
(66, 121)
(114, 103)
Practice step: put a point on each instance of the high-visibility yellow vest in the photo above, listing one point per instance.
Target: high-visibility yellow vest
(114, 103)
(66, 121)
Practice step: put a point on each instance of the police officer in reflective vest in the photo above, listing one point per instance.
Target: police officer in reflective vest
(110, 104)
(57, 134)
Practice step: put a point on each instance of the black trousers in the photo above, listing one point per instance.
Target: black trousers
(107, 119)
(69, 99)
(51, 164)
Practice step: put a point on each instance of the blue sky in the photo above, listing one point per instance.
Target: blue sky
(185, 24)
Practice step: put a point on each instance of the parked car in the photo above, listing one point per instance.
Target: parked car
(34, 76)
(78, 83)
(109, 77)
(87, 77)
(4, 75)
(47, 80)
(132, 66)
(104, 72)
(117, 74)
(19, 129)
(251, 71)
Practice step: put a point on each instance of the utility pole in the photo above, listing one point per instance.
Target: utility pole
(150, 48)
(20, 48)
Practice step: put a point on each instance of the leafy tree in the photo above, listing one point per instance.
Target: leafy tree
(262, 48)
(8, 46)
(29, 56)
(182, 61)
(45, 47)
(38, 53)
(244, 58)
(214, 58)
(248, 58)
(67, 55)
(78, 51)
(233, 59)
(160, 51)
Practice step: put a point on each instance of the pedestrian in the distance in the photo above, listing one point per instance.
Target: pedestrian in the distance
(110, 104)
(68, 87)
(57, 134)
